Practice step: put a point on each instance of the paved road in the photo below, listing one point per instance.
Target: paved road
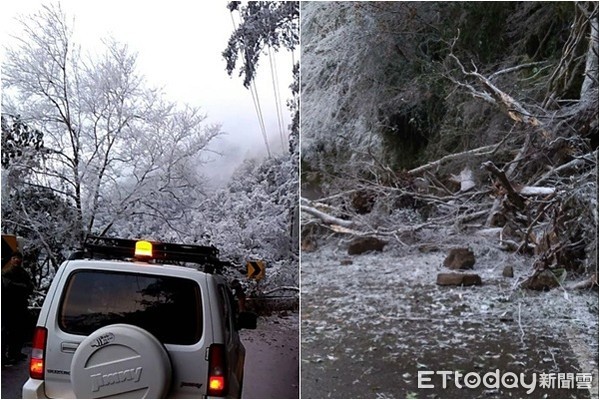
(374, 324)
(14, 377)
(271, 362)
(272, 359)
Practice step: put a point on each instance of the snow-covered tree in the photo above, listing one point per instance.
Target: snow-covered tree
(112, 146)
(379, 85)
(117, 159)
(250, 217)
(20, 142)
(262, 196)
(43, 219)
(264, 24)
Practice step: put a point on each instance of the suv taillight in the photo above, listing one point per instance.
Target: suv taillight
(36, 365)
(217, 379)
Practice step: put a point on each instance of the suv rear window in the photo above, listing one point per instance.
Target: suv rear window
(168, 307)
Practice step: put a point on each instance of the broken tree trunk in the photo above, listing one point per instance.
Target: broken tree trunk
(536, 191)
(591, 282)
(513, 196)
(473, 152)
(326, 218)
(494, 95)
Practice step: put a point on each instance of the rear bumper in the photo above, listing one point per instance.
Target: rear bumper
(34, 389)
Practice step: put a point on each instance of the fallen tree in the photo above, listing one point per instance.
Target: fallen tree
(536, 186)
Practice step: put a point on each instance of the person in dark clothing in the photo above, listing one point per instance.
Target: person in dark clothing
(240, 294)
(16, 289)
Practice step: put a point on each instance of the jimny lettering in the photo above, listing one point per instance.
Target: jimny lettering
(100, 380)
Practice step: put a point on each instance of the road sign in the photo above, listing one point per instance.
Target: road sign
(255, 269)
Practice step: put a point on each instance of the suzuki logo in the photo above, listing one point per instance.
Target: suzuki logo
(103, 340)
(99, 380)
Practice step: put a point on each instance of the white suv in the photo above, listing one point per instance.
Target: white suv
(138, 328)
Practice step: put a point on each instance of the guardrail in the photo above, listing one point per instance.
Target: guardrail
(265, 305)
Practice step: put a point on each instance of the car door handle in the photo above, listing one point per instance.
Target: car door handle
(68, 347)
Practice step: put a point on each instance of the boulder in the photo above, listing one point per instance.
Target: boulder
(460, 259)
(362, 245)
(308, 245)
(458, 279)
(508, 272)
(345, 261)
(542, 280)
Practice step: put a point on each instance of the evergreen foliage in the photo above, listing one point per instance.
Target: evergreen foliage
(264, 24)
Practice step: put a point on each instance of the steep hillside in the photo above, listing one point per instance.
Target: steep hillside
(473, 114)
(386, 79)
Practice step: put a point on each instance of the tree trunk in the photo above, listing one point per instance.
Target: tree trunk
(590, 80)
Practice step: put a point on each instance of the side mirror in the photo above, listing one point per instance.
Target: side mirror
(246, 320)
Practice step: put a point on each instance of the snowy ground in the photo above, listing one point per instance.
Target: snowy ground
(369, 328)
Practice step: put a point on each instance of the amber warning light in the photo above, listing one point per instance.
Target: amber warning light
(143, 249)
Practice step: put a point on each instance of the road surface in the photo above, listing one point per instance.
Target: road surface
(272, 358)
(377, 326)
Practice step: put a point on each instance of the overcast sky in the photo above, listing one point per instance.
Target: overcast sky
(179, 46)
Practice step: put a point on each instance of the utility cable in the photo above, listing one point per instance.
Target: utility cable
(255, 100)
(275, 81)
(261, 121)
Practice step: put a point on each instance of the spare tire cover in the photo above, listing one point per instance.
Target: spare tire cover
(121, 361)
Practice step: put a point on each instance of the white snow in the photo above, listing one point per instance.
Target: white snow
(388, 302)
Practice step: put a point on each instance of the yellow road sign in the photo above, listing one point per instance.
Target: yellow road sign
(255, 269)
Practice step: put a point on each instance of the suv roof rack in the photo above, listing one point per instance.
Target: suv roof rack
(115, 248)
